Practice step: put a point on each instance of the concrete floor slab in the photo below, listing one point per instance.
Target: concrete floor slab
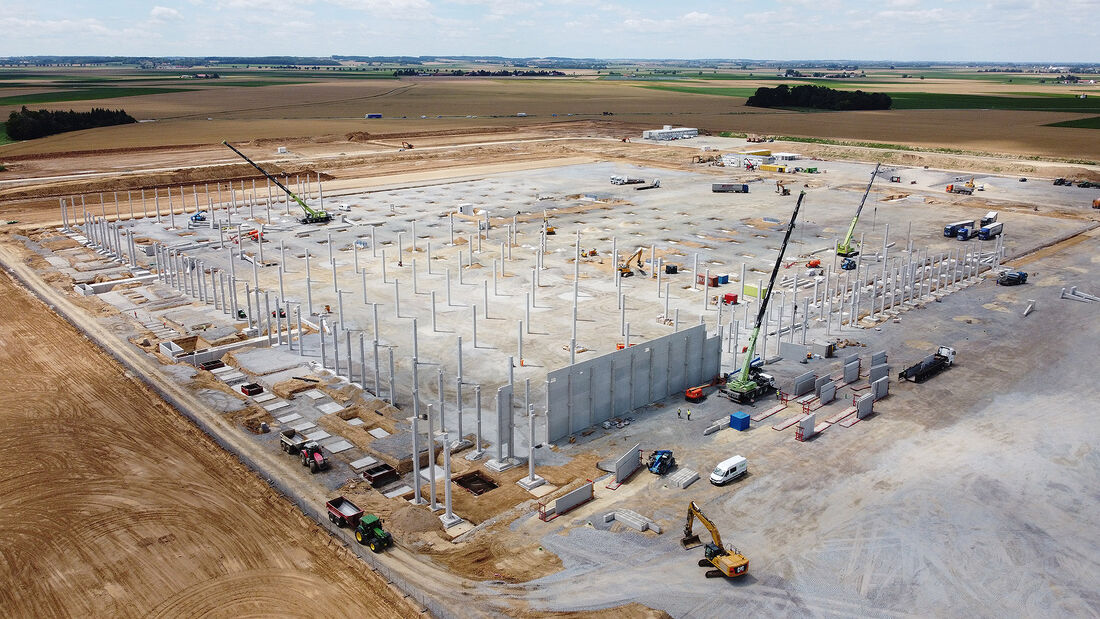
(276, 406)
(363, 462)
(289, 418)
(313, 394)
(355, 421)
(377, 432)
(396, 492)
(330, 407)
(318, 435)
(266, 396)
(338, 446)
(302, 427)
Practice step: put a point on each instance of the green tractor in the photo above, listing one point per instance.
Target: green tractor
(370, 533)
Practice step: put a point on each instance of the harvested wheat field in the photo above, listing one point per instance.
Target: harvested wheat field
(119, 507)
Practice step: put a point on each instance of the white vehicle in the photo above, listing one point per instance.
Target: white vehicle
(343, 206)
(728, 470)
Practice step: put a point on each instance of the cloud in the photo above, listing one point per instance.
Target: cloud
(163, 14)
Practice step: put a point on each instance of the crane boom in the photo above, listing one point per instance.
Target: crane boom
(845, 248)
(743, 384)
(312, 215)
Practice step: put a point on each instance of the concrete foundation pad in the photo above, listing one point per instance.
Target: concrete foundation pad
(302, 427)
(318, 435)
(529, 483)
(313, 394)
(339, 446)
(400, 490)
(274, 406)
(475, 455)
(266, 396)
(543, 490)
(330, 408)
(355, 422)
(460, 445)
(378, 433)
(501, 465)
(363, 463)
(289, 418)
(438, 473)
(455, 527)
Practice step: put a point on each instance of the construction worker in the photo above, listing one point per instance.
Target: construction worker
(678, 414)
(689, 414)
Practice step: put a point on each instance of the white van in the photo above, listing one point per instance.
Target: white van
(728, 470)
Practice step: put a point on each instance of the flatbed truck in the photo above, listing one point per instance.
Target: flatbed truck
(929, 366)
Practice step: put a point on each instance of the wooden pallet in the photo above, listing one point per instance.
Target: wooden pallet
(783, 425)
(841, 415)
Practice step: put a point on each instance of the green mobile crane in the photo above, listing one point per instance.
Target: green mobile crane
(313, 216)
(845, 249)
(750, 383)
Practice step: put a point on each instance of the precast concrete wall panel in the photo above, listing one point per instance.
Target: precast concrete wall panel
(851, 372)
(628, 463)
(881, 388)
(819, 383)
(803, 384)
(878, 358)
(864, 404)
(850, 359)
(573, 498)
(504, 415)
(878, 371)
(828, 392)
(614, 384)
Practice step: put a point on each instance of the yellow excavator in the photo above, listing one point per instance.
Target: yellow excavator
(546, 224)
(730, 563)
(625, 270)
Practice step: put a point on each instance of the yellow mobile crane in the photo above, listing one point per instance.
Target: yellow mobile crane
(730, 563)
(845, 249)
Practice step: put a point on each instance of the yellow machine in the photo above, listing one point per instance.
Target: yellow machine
(781, 188)
(624, 268)
(546, 224)
(730, 563)
(406, 146)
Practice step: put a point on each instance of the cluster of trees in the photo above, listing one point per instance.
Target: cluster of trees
(819, 97)
(482, 73)
(30, 124)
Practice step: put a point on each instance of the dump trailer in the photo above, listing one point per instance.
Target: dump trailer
(929, 366)
(655, 184)
(369, 532)
(729, 562)
(963, 189)
(991, 231)
(312, 215)
(952, 230)
(750, 383)
(292, 441)
(729, 188)
(343, 513)
(626, 180)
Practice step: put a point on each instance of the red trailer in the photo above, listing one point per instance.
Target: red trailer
(343, 513)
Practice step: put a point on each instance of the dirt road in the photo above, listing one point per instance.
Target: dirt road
(124, 509)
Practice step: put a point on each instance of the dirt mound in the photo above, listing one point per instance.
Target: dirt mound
(358, 136)
(413, 519)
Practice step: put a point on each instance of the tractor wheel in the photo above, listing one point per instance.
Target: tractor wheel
(284, 447)
(313, 468)
(305, 459)
(375, 546)
(359, 536)
(332, 519)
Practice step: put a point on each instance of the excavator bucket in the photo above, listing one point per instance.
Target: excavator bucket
(690, 541)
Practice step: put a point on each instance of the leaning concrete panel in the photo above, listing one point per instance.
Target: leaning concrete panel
(628, 463)
(851, 372)
(819, 383)
(878, 371)
(850, 358)
(807, 425)
(572, 499)
(828, 392)
(803, 384)
(878, 358)
(864, 404)
(880, 388)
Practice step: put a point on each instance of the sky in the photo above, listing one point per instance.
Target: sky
(917, 30)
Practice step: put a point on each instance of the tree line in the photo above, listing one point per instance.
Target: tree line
(30, 124)
(819, 97)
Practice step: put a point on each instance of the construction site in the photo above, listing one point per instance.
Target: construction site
(699, 374)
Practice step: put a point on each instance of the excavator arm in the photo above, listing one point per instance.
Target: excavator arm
(690, 539)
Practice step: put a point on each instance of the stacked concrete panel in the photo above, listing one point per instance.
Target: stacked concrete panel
(827, 392)
(880, 388)
(683, 478)
(573, 498)
(851, 371)
(864, 404)
(803, 384)
(878, 358)
(878, 371)
(807, 425)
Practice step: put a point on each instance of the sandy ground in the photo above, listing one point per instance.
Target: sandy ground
(122, 508)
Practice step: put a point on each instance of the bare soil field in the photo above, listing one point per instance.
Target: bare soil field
(119, 507)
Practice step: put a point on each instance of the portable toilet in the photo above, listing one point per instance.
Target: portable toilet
(739, 421)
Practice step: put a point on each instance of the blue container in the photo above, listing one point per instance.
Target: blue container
(739, 421)
(723, 279)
